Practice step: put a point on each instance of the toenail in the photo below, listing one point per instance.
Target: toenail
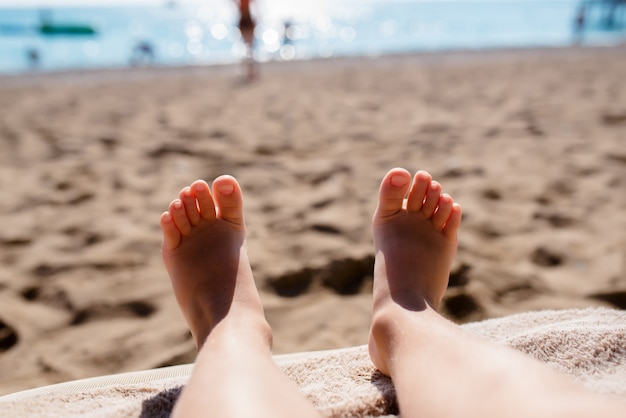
(399, 181)
(178, 204)
(226, 189)
(199, 187)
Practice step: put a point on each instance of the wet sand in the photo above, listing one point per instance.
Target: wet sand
(530, 142)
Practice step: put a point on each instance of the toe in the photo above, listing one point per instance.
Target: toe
(191, 208)
(171, 235)
(391, 193)
(418, 191)
(454, 221)
(432, 199)
(229, 200)
(206, 205)
(178, 214)
(444, 209)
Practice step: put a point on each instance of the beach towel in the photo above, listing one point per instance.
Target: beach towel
(588, 345)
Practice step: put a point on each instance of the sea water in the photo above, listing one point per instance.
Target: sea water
(199, 33)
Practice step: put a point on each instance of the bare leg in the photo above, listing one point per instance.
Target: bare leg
(250, 63)
(204, 253)
(437, 368)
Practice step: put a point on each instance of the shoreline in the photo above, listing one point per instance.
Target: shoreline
(298, 65)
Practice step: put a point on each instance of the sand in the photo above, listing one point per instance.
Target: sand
(530, 142)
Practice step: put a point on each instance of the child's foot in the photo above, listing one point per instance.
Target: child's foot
(204, 253)
(415, 237)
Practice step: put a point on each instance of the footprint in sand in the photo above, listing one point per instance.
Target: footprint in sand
(49, 295)
(616, 298)
(109, 143)
(347, 276)
(460, 276)
(617, 157)
(292, 283)
(8, 336)
(546, 258)
(461, 306)
(611, 119)
(134, 309)
(556, 220)
(491, 194)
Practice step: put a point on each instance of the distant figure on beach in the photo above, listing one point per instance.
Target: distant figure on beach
(580, 17)
(142, 54)
(32, 55)
(246, 28)
(579, 23)
(287, 33)
(430, 359)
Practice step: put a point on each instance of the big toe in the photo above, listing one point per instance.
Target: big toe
(392, 192)
(229, 200)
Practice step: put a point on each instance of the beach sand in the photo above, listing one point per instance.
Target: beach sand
(530, 142)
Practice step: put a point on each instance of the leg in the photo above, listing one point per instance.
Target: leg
(430, 359)
(204, 253)
(247, 35)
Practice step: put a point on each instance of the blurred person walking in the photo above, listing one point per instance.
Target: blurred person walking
(246, 27)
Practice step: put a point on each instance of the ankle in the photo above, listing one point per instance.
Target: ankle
(382, 336)
(238, 329)
(388, 331)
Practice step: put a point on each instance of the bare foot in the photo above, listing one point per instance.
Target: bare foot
(204, 253)
(415, 237)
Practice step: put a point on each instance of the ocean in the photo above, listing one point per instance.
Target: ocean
(175, 33)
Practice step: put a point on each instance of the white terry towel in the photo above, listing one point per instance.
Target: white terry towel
(589, 345)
